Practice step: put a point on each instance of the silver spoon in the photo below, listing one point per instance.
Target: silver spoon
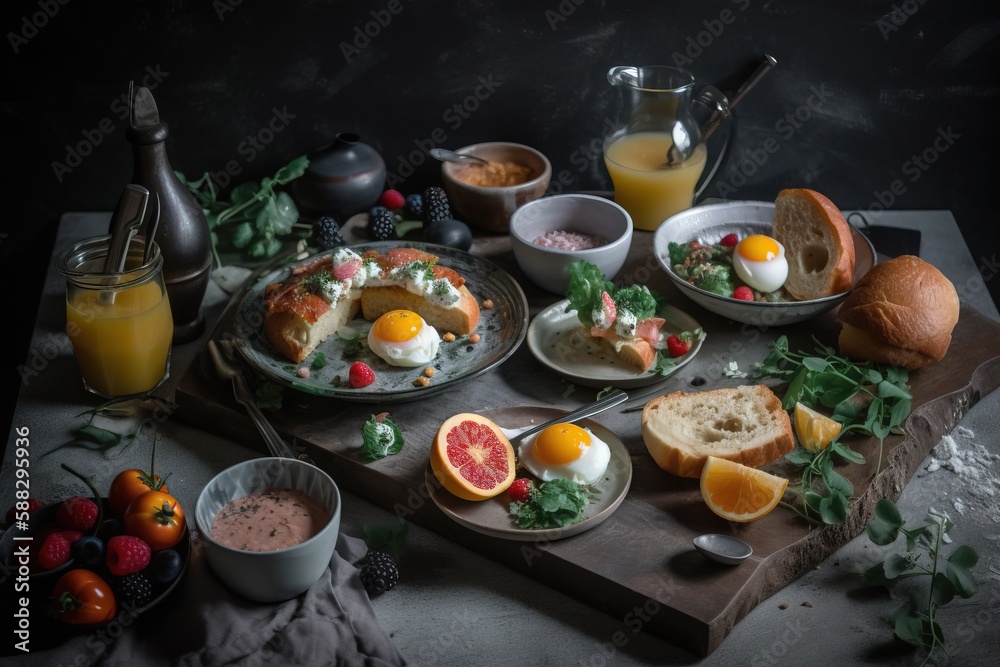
(446, 155)
(723, 548)
(611, 400)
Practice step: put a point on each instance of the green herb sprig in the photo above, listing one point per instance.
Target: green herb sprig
(552, 504)
(866, 398)
(256, 214)
(380, 437)
(915, 620)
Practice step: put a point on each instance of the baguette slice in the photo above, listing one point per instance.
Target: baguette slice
(818, 244)
(634, 351)
(742, 424)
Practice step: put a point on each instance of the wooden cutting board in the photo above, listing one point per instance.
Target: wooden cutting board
(639, 565)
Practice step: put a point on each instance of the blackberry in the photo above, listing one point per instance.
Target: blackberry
(134, 588)
(381, 224)
(379, 573)
(436, 206)
(327, 233)
(413, 207)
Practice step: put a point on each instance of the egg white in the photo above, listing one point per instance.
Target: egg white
(586, 470)
(419, 350)
(766, 276)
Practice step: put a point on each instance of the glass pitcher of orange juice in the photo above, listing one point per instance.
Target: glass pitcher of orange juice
(120, 324)
(657, 109)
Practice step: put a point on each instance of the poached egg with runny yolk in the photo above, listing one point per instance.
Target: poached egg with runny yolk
(566, 451)
(403, 338)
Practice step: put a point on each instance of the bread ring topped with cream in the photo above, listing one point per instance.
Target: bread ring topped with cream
(320, 297)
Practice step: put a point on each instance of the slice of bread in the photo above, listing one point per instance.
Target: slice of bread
(742, 424)
(295, 337)
(818, 244)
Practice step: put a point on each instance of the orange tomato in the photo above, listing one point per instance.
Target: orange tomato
(157, 518)
(129, 485)
(81, 597)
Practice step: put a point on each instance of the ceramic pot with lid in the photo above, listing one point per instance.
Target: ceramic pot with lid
(343, 179)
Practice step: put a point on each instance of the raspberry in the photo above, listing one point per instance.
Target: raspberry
(676, 347)
(379, 573)
(392, 199)
(135, 588)
(436, 206)
(127, 554)
(55, 552)
(72, 536)
(361, 375)
(327, 233)
(729, 241)
(381, 224)
(13, 511)
(413, 209)
(520, 490)
(77, 513)
(743, 293)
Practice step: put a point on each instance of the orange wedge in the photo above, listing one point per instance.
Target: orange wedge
(814, 430)
(738, 492)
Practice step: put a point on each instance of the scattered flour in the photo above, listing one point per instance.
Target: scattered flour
(976, 466)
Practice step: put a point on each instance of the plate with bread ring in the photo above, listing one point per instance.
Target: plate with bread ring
(320, 343)
(558, 340)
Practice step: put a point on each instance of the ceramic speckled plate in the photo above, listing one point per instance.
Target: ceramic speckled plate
(552, 340)
(502, 328)
(491, 516)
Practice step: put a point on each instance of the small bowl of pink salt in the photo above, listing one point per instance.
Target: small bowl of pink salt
(550, 233)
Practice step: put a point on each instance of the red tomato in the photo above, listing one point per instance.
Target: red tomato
(81, 597)
(157, 518)
(130, 484)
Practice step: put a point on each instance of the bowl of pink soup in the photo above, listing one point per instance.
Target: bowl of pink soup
(270, 526)
(548, 234)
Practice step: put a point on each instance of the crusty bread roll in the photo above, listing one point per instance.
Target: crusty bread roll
(818, 244)
(460, 319)
(742, 424)
(901, 312)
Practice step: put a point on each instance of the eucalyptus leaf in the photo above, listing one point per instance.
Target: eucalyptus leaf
(884, 528)
(961, 578)
(910, 628)
(965, 556)
(942, 589)
(895, 565)
(875, 575)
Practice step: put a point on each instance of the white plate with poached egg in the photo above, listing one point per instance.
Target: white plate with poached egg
(492, 516)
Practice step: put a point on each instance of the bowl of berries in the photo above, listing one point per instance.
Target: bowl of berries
(89, 560)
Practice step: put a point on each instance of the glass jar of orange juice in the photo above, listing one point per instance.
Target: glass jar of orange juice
(120, 324)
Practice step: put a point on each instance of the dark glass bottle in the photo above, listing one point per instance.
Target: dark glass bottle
(182, 235)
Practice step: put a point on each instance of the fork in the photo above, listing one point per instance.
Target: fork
(230, 369)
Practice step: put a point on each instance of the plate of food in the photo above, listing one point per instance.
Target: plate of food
(381, 322)
(764, 263)
(583, 470)
(602, 335)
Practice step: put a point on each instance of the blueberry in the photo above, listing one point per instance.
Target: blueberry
(164, 567)
(88, 551)
(109, 529)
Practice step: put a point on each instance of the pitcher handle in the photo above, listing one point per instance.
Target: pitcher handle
(719, 106)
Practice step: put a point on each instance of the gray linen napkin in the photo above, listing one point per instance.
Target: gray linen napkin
(202, 623)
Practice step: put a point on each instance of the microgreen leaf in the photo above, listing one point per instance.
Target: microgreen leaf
(800, 456)
(380, 437)
(846, 452)
(833, 508)
(910, 628)
(961, 578)
(895, 565)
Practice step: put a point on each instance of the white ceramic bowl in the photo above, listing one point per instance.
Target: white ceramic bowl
(707, 224)
(270, 576)
(584, 214)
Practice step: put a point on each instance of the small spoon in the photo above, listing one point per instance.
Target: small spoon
(446, 155)
(611, 400)
(723, 548)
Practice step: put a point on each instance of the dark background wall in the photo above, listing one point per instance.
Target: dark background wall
(860, 90)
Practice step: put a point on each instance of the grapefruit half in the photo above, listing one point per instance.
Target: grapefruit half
(472, 458)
